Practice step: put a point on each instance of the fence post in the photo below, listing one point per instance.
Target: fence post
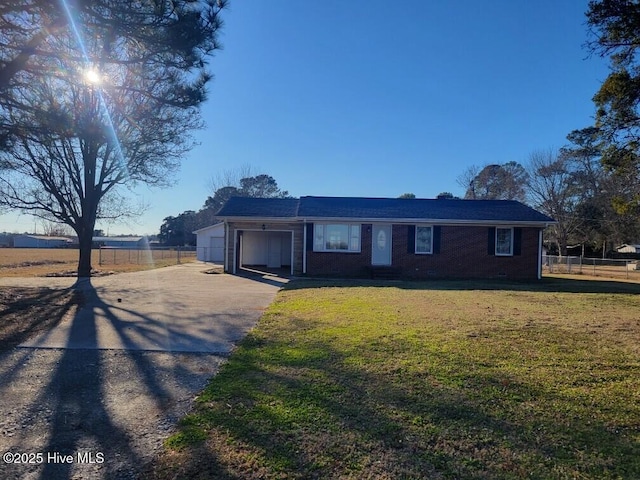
(594, 267)
(178, 254)
(626, 267)
(100, 255)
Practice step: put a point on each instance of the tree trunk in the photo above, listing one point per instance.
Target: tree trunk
(562, 248)
(562, 241)
(92, 196)
(85, 239)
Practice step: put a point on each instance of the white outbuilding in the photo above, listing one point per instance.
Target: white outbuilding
(41, 241)
(626, 248)
(210, 243)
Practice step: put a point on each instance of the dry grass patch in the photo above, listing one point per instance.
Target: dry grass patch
(40, 262)
(426, 380)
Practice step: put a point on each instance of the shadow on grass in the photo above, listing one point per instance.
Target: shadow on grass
(546, 284)
(303, 409)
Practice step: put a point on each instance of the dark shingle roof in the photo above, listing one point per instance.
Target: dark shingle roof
(259, 207)
(383, 209)
(432, 209)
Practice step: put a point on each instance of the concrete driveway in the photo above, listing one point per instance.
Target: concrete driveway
(107, 385)
(173, 309)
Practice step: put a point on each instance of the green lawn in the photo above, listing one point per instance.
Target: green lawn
(426, 380)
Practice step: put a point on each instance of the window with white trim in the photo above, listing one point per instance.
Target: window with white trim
(504, 241)
(424, 239)
(336, 237)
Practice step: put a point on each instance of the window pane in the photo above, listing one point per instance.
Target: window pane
(423, 239)
(355, 238)
(337, 237)
(318, 239)
(503, 241)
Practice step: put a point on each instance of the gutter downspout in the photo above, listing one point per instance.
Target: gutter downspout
(540, 254)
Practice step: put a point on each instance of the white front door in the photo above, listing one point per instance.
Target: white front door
(381, 245)
(274, 259)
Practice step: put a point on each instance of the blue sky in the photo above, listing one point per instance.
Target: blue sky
(355, 98)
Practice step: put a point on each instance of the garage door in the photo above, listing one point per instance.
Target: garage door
(216, 250)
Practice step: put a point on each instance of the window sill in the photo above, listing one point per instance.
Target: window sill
(337, 251)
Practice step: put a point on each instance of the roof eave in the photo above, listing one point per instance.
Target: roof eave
(434, 221)
(203, 229)
(257, 219)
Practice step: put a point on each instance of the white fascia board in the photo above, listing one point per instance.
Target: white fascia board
(429, 221)
(210, 227)
(408, 221)
(262, 219)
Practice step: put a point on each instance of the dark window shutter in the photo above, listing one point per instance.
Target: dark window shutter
(309, 237)
(491, 241)
(436, 239)
(411, 239)
(517, 241)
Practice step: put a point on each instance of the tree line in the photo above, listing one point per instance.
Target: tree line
(591, 186)
(179, 230)
(571, 185)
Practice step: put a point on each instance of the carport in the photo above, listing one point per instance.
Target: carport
(271, 249)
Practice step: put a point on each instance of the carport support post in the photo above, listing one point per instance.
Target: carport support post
(304, 248)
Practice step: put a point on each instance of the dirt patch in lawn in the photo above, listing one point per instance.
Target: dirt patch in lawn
(25, 312)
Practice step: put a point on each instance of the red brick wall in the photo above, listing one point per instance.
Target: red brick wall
(463, 254)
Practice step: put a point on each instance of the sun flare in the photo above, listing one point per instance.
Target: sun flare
(92, 76)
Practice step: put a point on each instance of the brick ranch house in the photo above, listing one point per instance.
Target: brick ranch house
(358, 237)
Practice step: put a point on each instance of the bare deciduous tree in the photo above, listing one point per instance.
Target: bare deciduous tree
(231, 177)
(108, 98)
(553, 191)
(495, 182)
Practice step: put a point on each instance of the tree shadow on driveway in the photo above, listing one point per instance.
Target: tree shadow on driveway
(95, 413)
(44, 308)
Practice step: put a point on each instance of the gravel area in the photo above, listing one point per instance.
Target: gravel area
(109, 410)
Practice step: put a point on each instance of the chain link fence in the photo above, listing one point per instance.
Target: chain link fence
(598, 267)
(168, 255)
